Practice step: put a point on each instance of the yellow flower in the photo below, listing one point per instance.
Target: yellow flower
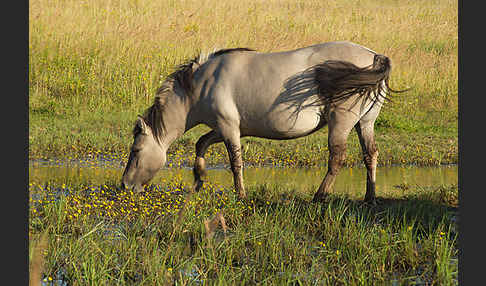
(169, 269)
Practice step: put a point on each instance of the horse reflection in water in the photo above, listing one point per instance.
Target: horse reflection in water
(283, 95)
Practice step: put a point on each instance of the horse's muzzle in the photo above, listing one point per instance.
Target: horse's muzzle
(135, 188)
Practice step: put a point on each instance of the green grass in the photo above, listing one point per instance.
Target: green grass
(95, 65)
(275, 237)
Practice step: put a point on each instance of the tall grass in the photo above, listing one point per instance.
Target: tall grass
(93, 65)
(277, 237)
(121, 49)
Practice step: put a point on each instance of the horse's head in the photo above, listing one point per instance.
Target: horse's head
(146, 157)
(151, 138)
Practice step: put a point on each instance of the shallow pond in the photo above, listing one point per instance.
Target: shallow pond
(350, 181)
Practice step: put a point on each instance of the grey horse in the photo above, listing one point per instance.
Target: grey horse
(281, 95)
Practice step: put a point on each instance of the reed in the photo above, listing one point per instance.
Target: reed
(101, 237)
(94, 65)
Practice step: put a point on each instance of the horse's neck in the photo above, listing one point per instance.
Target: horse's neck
(178, 119)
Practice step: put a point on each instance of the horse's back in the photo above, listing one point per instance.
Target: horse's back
(253, 88)
(341, 51)
(251, 66)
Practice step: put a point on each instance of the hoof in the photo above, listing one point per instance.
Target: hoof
(371, 201)
(197, 186)
(319, 197)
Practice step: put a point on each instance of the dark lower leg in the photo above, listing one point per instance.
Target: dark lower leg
(199, 172)
(370, 190)
(236, 162)
(370, 157)
(336, 159)
(370, 160)
(202, 146)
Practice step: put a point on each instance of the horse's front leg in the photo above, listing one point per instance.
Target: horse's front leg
(202, 146)
(233, 146)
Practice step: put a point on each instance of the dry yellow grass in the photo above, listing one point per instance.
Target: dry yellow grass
(94, 58)
(150, 37)
(95, 64)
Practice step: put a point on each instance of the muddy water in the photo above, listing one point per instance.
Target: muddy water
(350, 181)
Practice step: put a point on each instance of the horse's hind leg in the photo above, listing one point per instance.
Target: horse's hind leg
(365, 132)
(202, 146)
(338, 134)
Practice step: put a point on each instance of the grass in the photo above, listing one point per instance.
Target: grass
(98, 235)
(94, 65)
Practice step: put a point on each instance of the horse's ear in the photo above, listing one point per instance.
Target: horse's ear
(141, 124)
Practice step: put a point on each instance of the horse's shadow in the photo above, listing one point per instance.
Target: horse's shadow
(422, 213)
(299, 92)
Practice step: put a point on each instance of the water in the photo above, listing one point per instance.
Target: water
(350, 181)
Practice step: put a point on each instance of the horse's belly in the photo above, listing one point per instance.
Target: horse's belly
(285, 125)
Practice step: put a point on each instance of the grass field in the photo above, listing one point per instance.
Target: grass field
(94, 65)
(165, 236)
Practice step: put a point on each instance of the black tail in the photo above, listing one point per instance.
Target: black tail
(339, 80)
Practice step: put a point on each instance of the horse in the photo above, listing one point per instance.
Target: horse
(282, 95)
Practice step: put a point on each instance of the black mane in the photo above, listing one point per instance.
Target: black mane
(183, 77)
(225, 51)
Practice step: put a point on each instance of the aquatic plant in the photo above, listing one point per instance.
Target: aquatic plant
(99, 234)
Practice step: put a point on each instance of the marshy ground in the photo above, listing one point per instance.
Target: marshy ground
(94, 65)
(99, 234)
